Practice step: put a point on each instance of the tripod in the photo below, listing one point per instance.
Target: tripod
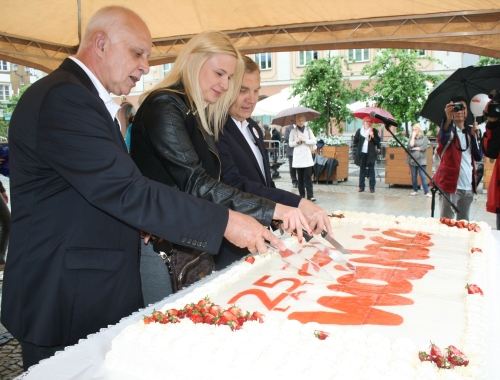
(435, 188)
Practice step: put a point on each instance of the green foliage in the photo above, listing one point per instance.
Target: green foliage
(8, 108)
(488, 61)
(4, 129)
(396, 84)
(323, 88)
(433, 130)
(401, 137)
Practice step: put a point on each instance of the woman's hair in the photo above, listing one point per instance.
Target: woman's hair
(300, 116)
(184, 78)
(420, 133)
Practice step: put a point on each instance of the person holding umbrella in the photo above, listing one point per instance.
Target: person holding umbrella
(303, 141)
(365, 144)
(458, 150)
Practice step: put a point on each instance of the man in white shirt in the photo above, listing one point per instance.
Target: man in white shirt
(245, 163)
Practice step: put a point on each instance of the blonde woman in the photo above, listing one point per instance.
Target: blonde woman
(301, 140)
(417, 145)
(175, 128)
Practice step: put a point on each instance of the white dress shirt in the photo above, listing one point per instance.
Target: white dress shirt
(103, 93)
(251, 140)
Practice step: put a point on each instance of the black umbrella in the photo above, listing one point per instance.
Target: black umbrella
(331, 165)
(466, 82)
(319, 165)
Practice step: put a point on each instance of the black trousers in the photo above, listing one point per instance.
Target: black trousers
(305, 183)
(32, 354)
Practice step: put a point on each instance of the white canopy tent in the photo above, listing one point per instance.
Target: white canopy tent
(271, 105)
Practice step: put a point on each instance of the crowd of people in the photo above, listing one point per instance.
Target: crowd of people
(194, 174)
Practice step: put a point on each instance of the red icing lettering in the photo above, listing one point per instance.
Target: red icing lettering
(297, 294)
(262, 282)
(359, 307)
(261, 295)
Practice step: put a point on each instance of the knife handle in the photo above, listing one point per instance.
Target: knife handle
(306, 235)
(324, 233)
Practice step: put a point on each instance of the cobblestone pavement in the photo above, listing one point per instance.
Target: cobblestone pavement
(11, 362)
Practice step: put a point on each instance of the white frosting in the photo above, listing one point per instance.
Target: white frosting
(289, 348)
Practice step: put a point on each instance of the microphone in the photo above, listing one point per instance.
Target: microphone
(384, 119)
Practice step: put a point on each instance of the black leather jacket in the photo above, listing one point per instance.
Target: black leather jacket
(170, 146)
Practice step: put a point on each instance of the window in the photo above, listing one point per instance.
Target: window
(359, 55)
(307, 56)
(4, 92)
(4, 66)
(264, 60)
(166, 68)
(353, 125)
(421, 53)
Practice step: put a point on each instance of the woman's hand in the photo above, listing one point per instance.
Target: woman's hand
(293, 219)
(317, 217)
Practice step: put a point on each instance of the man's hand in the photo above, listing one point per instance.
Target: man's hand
(317, 217)
(5, 197)
(145, 236)
(293, 219)
(475, 128)
(245, 232)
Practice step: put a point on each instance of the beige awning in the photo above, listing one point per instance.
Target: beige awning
(41, 34)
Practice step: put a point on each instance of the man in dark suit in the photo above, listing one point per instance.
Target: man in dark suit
(245, 163)
(79, 201)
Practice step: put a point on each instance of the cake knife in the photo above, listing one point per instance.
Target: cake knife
(337, 257)
(302, 263)
(334, 242)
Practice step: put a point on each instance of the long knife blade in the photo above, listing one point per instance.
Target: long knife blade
(337, 257)
(335, 243)
(302, 263)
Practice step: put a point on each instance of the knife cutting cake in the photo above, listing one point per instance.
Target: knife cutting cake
(417, 281)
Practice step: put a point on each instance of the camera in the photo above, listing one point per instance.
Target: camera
(458, 106)
(494, 106)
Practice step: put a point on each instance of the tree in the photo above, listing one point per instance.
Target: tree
(488, 61)
(323, 88)
(8, 109)
(397, 85)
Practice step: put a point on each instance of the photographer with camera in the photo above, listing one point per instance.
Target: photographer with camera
(490, 144)
(458, 150)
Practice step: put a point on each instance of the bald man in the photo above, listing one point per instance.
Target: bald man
(79, 201)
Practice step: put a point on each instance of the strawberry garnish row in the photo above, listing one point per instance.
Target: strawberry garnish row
(453, 358)
(460, 224)
(205, 312)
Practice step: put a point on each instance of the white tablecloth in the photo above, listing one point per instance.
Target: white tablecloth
(86, 359)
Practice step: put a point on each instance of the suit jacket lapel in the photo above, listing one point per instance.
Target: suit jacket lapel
(232, 128)
(76, 70)
(263, 150)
